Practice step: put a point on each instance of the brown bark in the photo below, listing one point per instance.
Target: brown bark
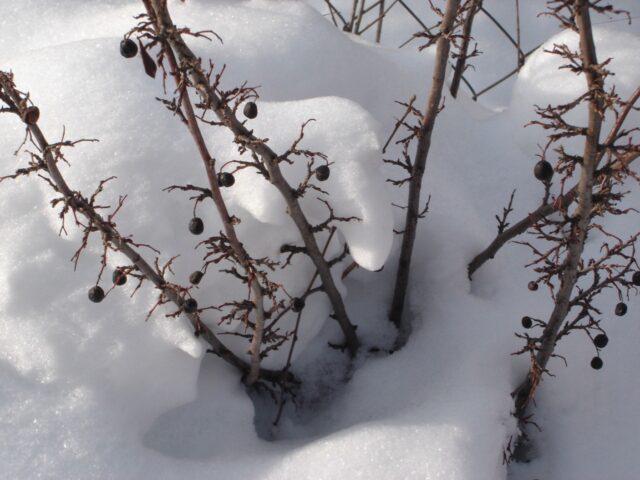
(443, 46)
(166, 29)
(81, 206)
(466, 39)
(241, 254)
(582, 217)
(379, 27)
(561, 203)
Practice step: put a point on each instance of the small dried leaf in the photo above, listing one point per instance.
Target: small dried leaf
(150, 66)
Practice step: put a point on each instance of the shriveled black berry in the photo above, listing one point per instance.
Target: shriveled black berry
(195, 277)
(322, 173)
(543, 171)
(533, 286)
(30, 115)
(226, 179)
(196, 226)
(128, 48)
(527, 322)
(297, 304)
(621, 309)
(601, 340)
(635, 279)
(119, 277)
(596, 363)
(96, 294)
(250, 110)
(190, 305)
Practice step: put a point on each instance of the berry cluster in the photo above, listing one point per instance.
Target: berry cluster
(601, 340)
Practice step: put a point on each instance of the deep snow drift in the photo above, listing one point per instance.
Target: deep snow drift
(92, 391)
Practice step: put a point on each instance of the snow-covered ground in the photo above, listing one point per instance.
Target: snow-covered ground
(93, 391)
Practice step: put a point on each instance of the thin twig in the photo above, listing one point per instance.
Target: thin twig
(443, 46)
(562, 202)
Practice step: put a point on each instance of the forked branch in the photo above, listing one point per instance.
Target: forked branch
(16, 102)
(172, 40)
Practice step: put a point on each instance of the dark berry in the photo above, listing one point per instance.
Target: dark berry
(190, 305)
(250, 110)
(30, 115)
(596, 363)
(621, 309)
(322, 173)
(297, 304)
(119, 277)
(96, 294)
(533, 286)
(527, 322)
(195, 277)
(543, 171)
(601, 340)
(635, 279)
(128, 48)
(196, 226)
(226, 179)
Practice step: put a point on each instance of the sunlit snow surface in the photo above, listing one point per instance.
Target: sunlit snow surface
(93, 391)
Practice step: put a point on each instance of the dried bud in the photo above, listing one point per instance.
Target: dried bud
(30, 115)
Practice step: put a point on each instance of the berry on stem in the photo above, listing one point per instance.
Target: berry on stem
(226, 179)
(297, 304)
(128, 48)
(601, 340)
(596, 363)
(96, 294)
(533, 286)
(119, 277)
(250, 110)
(323, 172)
(635, 279)
(195, 277)
(196, 226)
(527, 322)
(543, 171)
(190, 305)
(621, 309)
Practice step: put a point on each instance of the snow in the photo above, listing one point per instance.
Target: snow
(94, 391)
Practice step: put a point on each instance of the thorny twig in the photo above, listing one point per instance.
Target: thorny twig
(443, 45)
(80, 206)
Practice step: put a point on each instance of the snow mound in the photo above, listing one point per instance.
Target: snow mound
(542, 82)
